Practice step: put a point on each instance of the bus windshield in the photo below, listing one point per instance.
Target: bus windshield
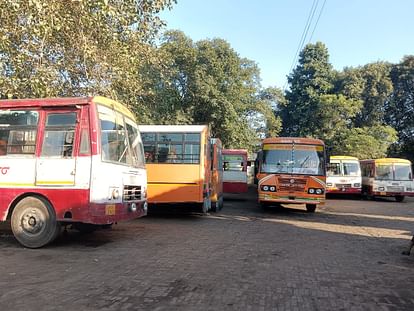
(293, 159)
(351, 169)
(120, 139)
(393, 172)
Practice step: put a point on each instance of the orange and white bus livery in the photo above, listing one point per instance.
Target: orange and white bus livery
(291, 170)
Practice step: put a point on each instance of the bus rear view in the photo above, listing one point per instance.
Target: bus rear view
(291, 171)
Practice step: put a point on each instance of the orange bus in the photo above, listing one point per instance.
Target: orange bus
(178, 164)
(68, 161)
(216, 175)
(235, 170)
(292, 170)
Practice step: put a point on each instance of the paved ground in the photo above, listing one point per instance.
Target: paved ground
(346, 256)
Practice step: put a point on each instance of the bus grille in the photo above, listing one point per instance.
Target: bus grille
(343, 185)
(395, 189)
(286, 184)
(132, 193)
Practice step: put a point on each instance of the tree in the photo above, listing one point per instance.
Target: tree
(364, 143)
(399, 109)
(77, 48)
(207, 82)
(312, 78)
(370, 84)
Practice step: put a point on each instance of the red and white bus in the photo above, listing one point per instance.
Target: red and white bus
(235, 170)
(343, 175)
(64, 161)
(387, 177)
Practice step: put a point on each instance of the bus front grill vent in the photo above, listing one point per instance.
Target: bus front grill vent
(132, 193)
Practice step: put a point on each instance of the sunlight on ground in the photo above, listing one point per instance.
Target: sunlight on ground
(346, 229)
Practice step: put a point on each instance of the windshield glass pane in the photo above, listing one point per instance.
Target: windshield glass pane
(334, 169)
(293, 159)
(134, 139)
(403, 172)
(351, 169)
(114, 140)
(384, 172)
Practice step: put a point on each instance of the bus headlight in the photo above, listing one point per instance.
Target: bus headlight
(409, 189)
(319, 191)
(311, 190)
(133, 207)
(357, 185)
(265, 188)
(272, 188)
(329, 184)
(381, 188)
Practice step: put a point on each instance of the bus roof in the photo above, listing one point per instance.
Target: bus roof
(65, 101)
(340, 157)
(387, 161)
(234, 151)
(290, 140)
(172, 128)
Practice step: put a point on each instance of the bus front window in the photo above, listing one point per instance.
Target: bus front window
(351, 169)
(384, 172)
(293, 159)
(403, 172)
(334, 169)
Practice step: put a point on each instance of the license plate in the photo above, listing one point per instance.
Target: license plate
(110, 209)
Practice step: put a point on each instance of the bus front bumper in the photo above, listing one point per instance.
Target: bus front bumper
(104, 213)
(344, 190)
(290, 199)
(392, 194)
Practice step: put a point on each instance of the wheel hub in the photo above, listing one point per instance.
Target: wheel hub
(32, 222)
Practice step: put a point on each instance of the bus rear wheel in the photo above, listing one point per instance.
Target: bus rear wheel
(33, 222)
(399, 198)
(311, 208)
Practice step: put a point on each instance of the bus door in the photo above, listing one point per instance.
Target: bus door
(56, 164)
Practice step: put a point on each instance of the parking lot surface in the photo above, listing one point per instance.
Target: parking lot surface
(345, 256)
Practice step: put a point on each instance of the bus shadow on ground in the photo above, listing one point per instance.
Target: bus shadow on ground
(175, 211)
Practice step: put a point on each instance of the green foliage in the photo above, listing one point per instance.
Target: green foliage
(206, 82)
(311, 79)
(364, 143)
(76, 48)
(370, 84)
(399, 109)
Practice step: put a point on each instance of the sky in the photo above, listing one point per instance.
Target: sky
(269, 32)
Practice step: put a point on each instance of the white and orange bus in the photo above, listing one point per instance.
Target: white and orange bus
(64, 161)
(178, 164)
(387, 177)
(343, 175)
(291, 170)
(216, 183)
(235, 170)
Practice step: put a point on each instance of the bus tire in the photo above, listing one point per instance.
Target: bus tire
(310, 208)
(33, 222)
(399, 198)
(215, 206)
